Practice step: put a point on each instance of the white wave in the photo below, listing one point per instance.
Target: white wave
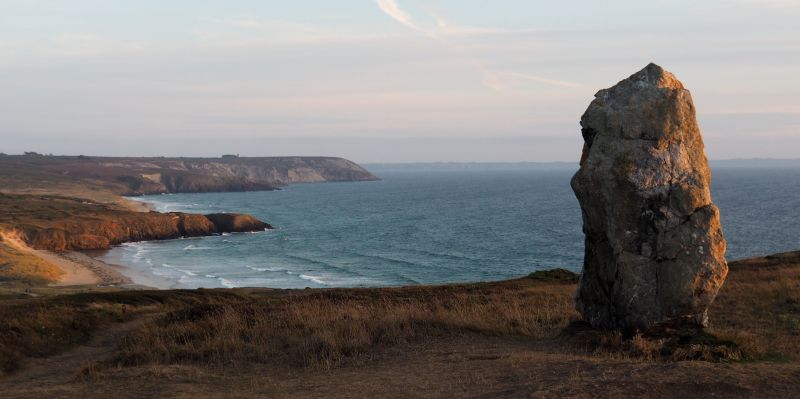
(186, 272)
(266, 269)
(211, 276)
(195, 248)
(140, 251)
(315, 279)
(226, 283)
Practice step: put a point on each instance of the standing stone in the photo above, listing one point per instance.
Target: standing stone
(655, 253)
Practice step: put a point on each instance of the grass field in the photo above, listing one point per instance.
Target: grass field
(477, 339)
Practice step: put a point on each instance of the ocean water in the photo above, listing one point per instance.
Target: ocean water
(429, 225)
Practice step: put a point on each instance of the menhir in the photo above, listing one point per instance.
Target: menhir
(655, 252)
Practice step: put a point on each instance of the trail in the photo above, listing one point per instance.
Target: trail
(63, 368)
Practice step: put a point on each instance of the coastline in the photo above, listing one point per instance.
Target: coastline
(136, 276)
(90, 266)
(60, 237)
(77, 268)
(84, 268)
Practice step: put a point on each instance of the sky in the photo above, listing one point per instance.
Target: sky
(383, 80)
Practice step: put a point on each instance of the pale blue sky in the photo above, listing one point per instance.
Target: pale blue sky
(383, 80)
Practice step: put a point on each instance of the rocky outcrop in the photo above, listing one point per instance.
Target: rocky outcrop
(86, 234)
(235, 223)
(61, 223)
(655, 252)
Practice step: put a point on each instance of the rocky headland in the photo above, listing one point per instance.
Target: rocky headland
(34, 173)
(39, 235)
(68, 224)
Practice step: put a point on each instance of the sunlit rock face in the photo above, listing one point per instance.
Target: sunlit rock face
(655, 251)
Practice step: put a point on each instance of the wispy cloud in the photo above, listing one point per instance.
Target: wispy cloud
(449, 28)
(390, 8)
(444, 29)
(253, 31)
(540, 79)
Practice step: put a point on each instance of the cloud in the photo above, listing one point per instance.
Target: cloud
(237, 31)
(490, 78)
(390, 8)
(540, 79)
(450, 29)
(443, 27)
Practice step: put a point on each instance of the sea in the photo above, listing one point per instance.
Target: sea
(430, 224)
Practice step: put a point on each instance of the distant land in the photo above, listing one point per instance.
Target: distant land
(724, 163)
(103, 178)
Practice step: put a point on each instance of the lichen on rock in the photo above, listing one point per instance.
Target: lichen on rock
(655, 251)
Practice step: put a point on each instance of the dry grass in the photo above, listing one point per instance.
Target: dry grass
(700, 346)
(327, 328)
(296, 328)
(759, 307)
(43, 327)
(18, 265)
(754, 318)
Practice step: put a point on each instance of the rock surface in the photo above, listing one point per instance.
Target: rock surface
(655, 251)
(236, 222)
(69, 224)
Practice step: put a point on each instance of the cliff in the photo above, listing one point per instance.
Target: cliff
(138, 176)
(62, 224)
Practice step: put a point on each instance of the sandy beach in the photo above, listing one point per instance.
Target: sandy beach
(78, 268)
(82, 269)
(106, 274)
(74, 272)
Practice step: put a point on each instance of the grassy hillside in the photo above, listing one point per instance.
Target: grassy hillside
(476, 338)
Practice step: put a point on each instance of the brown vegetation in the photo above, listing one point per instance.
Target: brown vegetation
(323, 329)
(18, 265)
(216, 337)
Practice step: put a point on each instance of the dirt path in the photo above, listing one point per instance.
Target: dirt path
(63, 368)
